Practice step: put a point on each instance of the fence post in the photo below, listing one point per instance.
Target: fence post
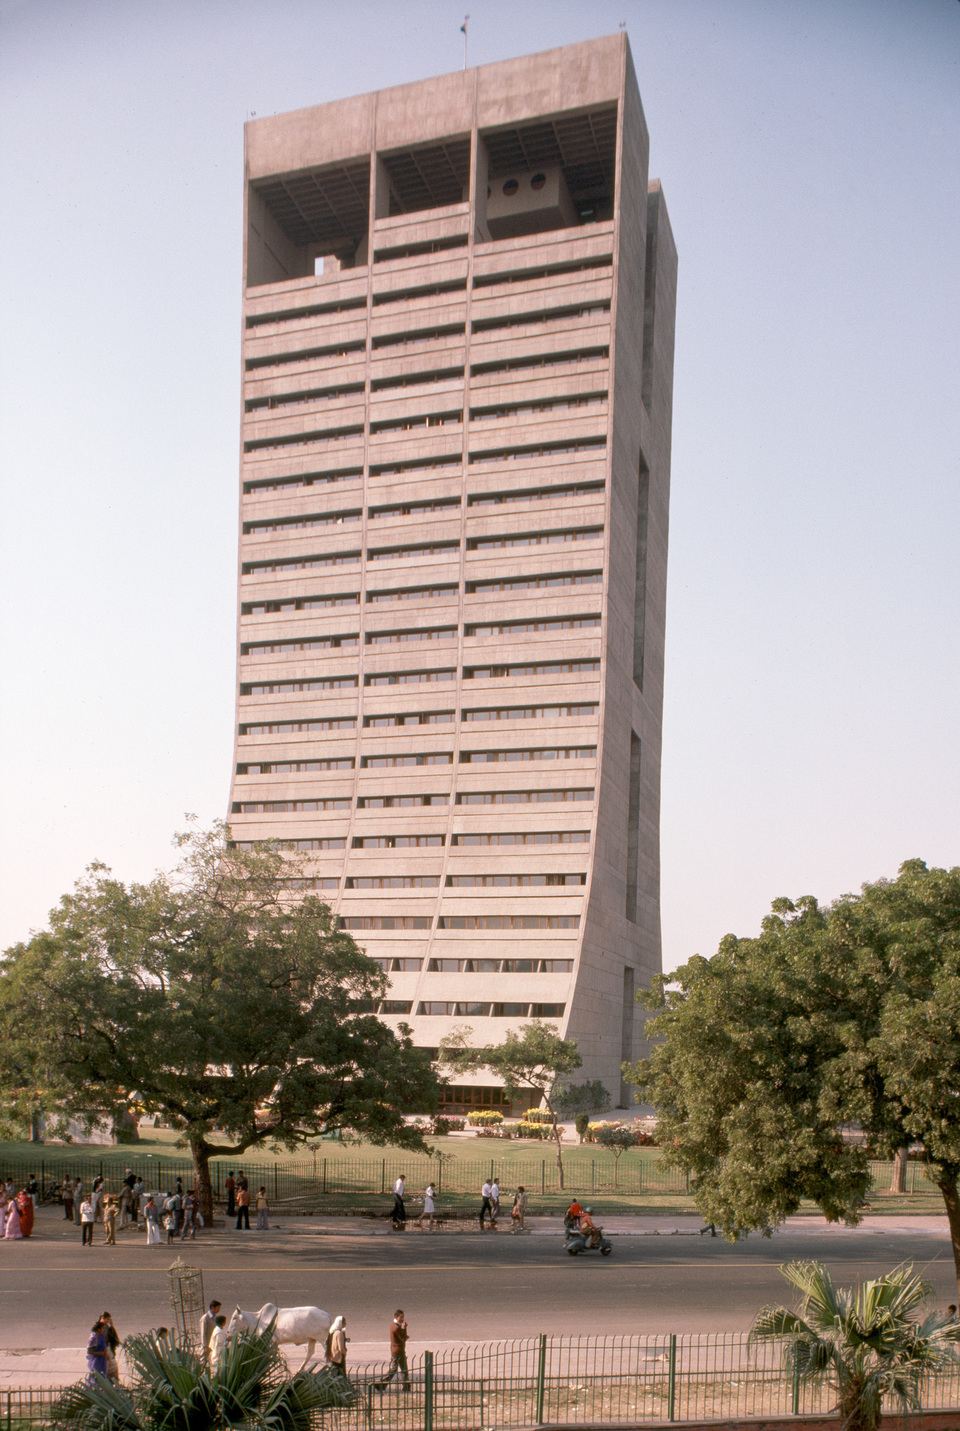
(428, 1391)
(541, 1376)
(593, 1175)
(672, 1380)
(43, 1179)
(276, 1193)
(687, 1180)
(543, 1176)
(795, 1400)
(640, 1176)
(324, 1175)
(383, 1174)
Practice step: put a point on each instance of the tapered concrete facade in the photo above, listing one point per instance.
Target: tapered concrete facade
(455, 484)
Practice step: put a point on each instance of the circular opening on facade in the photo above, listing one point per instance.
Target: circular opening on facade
(510, 187)
(538, 181)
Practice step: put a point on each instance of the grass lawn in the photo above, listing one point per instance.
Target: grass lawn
(328, 1176)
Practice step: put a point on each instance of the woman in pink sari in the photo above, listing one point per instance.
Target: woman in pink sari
(12, 1229)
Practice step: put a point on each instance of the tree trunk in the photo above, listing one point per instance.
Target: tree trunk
(558, 1134)
(201, 1172)
(951, 1199)
(898, 1183)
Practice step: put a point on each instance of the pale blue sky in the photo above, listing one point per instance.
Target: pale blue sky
(809, 156)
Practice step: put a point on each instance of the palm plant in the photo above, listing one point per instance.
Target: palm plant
(174, 1390)
(866, 1341)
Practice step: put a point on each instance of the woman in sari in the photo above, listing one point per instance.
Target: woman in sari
(25, 1204)
(96, 1353)
(12, 1229)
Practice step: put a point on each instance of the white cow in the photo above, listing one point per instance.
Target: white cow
(294, 1325)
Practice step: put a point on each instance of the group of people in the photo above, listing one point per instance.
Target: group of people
(17, 1208)
(102, 1350)
(398, 1215)
(239, 1200)
(490, 1207)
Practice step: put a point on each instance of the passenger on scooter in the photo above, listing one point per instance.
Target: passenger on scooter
(571, 1218)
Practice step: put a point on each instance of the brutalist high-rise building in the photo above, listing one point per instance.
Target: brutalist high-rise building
(458, 350)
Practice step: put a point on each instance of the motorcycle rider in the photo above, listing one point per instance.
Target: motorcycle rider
(589, 1228)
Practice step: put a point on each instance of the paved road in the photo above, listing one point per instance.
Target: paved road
(453, 1287)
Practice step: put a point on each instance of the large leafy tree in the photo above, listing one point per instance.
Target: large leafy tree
(865, 1342)
(536, 1061)
(833, 1016)
(217, 995)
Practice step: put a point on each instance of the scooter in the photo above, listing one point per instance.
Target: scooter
(579, 1241)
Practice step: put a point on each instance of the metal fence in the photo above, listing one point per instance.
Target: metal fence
(564, 1381)
(306, 1183)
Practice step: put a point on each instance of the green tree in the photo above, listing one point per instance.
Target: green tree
(216, 996)
(582, 1123)
(572, 1099)
(616, 1139)
(534, 1061)
(174, 1390)
(866, 1342)
(848, 1014)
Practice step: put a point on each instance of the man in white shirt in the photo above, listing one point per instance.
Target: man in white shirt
(208, 1324)
(495, 1200)
(486, 1205)
(399, 1213)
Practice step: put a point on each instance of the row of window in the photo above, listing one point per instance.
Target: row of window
(420, 678)
(542, 321)
(394, 295)
(308, 883)
(434, 1007)
(399, 802)
(385, 762)
(504, 839)
(446, 548)
(438, 591)
(549, 624)
(388, 923)
(413, 509)
(441, 507)
(572, 358)
(477, 966)
(318, 727)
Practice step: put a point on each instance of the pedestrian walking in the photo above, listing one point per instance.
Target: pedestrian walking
(336, 1348)
(25, 1207)
(243, 1209)
(263, 1208)
(208, 1323)
(33, 1189)
(191, 1216)
(96, 1353)
(136, 1196)
(96, 1193)
(399, 1332)
(110, 1220)
(86, 1223)
(169, 1221)
(519, 1210)
(494, 1202)
(218, 1341)
(113, 1345)
(77, 1199)
(399, 1214)
(486, 1205)
(151, 1221)
(231, 1188)
(429, 1207)
(12, 1231)
(66, 1197)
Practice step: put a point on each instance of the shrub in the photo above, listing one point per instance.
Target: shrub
(538, 1115)
(442, 1124)
(582, 1123)
(484, 1117)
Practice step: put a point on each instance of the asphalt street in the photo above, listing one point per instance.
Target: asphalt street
(460, 1287)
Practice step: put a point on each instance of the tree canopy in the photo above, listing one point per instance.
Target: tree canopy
(534, 1061)
(833, 1016)
(215, 995)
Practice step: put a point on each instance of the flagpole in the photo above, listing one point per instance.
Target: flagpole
(463, 27)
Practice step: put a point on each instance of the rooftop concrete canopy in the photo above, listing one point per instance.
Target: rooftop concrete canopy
(458, 358)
